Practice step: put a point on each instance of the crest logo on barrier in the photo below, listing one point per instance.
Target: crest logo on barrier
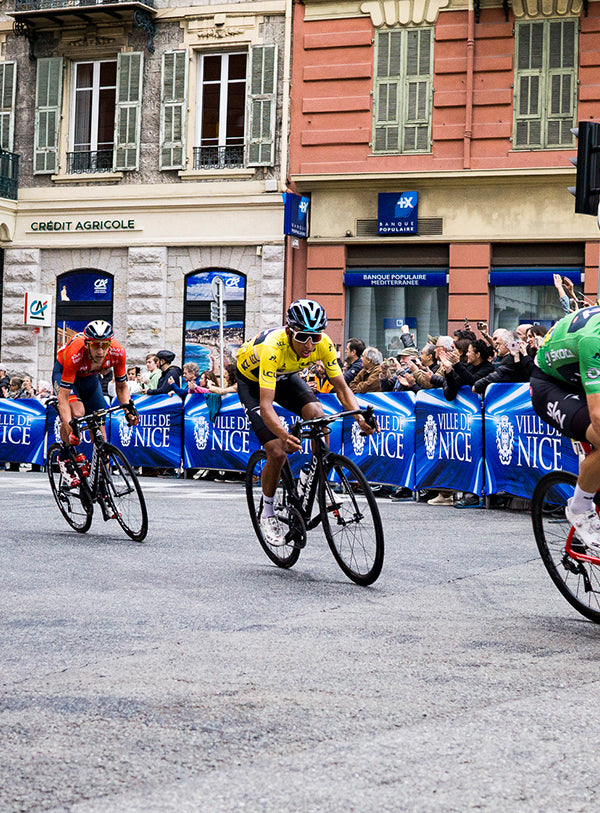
(284, 423)
(125, 432)
(201, 432)
(430, 433)
(358, 440)
(505, 435)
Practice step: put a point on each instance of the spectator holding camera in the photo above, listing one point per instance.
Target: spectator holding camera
(395, 373)
(515, 365)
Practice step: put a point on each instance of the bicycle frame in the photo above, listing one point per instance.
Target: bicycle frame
(305, 503)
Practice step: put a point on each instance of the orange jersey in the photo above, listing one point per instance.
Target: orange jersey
(76, 360)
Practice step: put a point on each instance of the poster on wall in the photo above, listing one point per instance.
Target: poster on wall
(201, 339)
(79, 286)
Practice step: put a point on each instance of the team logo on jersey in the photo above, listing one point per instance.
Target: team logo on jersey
(592, 374)
(125, 431)
(555, 414)
(505, 436)
(558, 355)
(430, 437)
(358, 439)
(201, 432)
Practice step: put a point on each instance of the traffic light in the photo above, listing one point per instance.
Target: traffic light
(587, 183)
(214, 312)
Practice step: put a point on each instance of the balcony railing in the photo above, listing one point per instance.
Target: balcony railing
(219, 157)
(39, 5)
(97, 161)
(9, 174)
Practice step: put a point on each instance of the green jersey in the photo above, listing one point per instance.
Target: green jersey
(570, 351)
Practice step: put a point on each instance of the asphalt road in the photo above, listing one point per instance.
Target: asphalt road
(190, 674)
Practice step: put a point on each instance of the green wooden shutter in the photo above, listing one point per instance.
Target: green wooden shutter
(48, 95)
(262, 105)
(528, 84)
(8, 83)
(562, 89)
(387, 96)
(418, 97)
(173, 110)
(128, 111)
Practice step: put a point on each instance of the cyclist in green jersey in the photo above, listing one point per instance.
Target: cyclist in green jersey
(565, 392)
(267, 372)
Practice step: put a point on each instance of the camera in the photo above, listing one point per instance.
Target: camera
(481, 325)
(514, 346)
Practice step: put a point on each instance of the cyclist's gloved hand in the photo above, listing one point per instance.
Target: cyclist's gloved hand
(131, 414)
(74, 433)
(292, 443)
(368, 424)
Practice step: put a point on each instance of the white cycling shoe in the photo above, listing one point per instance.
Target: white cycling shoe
(272, 531)
(587, 527)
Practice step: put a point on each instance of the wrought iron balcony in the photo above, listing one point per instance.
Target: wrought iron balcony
(219, 157)
(9, 174)
(31, 15)
(83, 162)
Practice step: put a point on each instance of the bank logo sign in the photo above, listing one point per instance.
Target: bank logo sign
(397, 212)
(38, 309)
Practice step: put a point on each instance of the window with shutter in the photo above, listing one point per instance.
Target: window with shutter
(128, 111)
(48, 95)
(173, 110)
(545, 103)
(262, 105)
(403, 93)
(221, 122)
(8, 77)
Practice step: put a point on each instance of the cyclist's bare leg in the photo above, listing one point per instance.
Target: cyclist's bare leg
(276, 457)
(589, 468)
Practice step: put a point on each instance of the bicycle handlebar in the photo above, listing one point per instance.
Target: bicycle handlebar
(93, 417)
(303, 428)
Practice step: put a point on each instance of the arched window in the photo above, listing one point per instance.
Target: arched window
(82, 295)
(200, 329)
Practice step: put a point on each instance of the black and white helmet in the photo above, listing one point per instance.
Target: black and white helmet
(98, 331)
(306, 315)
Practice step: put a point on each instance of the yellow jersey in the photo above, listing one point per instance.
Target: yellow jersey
(270, 356)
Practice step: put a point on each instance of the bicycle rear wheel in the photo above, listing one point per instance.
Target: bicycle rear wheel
(74, 503)
(579, 582)
(351, 520)
(124, 493)
(284, 556)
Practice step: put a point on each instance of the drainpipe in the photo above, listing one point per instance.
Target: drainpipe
(468, 136)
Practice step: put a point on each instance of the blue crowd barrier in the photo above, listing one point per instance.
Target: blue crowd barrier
(499, 445)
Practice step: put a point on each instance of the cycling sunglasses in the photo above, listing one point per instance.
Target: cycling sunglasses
(303, 336)
(98, 345)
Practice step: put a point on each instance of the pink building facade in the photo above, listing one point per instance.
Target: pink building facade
(460, 116)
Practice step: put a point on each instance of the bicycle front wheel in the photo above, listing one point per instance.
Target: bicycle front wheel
(578, 581)
(123, 492)
(351, 520)
(285, 555)
(74, 503)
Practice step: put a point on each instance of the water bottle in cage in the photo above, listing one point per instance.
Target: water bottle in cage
(83, 464)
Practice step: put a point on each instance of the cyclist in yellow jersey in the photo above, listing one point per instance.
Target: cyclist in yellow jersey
(267, 372)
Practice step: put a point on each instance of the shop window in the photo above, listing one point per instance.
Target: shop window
(201, 339)
(546, 59)
(379, 301)
(104, 114)
(528, 295)
(81, 296)
(403, 93)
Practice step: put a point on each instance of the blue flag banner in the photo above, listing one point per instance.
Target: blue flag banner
(22, 430)
(519, 446)
(157, 440)
(387, 456)
(449, 437)
(225, 443)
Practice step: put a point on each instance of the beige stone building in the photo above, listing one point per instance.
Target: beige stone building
(150, 140)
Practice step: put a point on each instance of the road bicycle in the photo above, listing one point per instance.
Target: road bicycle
(573, 568)
(111, 482)
(345, 505)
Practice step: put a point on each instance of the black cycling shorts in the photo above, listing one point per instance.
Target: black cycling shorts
(559, 405)
(291, 392)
